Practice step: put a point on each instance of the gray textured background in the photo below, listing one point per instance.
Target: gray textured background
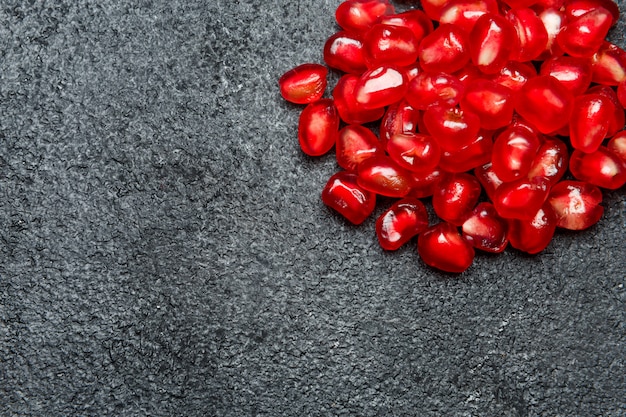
(164, 251)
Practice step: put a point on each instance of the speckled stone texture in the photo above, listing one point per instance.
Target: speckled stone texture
(164, 250)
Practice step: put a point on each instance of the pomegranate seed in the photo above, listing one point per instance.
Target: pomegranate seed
(442, 247)
(349, 110)
(414, 152)
(576, 204)
(452, 128)
(318, 127)
(520, 199)
(491, 41)
(360, 15)
(401, 222)
(534, 234)
(455, 197)
(380, 87)
(355, 144)
(551, 161)
(514, 75)
(574, 73)
(618, 119)
(490, 101)
(531, 33)
(518, 4)
(553, 19)
(545, 103)
(465, 13)
(609, 65)
(428, 89)
(488, 179)
(584, 35)
(590, 121)
(389, 45)
(577, 8)
(617, 145)
(399, 118)
(473, 155)
(433, 8)
(303, 84)
(414, 20)
(343, 194)
(621, 93)
(513, 152)
(446, 49)
(424, 184)
(485, 230)
(381, 175)
(344, 51)
(602, 168)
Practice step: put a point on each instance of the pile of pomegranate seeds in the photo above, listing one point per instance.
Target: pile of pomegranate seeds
(482, 105)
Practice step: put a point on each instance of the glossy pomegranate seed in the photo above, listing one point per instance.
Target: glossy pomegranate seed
(574, 73)
(491, 41)
(520, 199)
(534, 234)
(465, 13)
(518, 4)
(414, 151)
(446, 49)
(318, 127)
(452, 128)
(602, 168)
(473, 155)
(401, 222)
(513, 152)
(514, 75)
(608, 65)
(488, 179)
(545, 103)
(389, 45)
(577, 8)
(424, 184)
(343, 194)
(531, 33)
(617, 145)
(344, 51)
(455, 197)
(576, 204)
(355, 144)
(485, 229)
(400, 117)
(618, 119)
(584, 35)
(551, 161)
(490, 101)
(303, 84)
(468, 73)
(440, 88)
(621, 93)
(414, 20)
(380, 87)
(553, 20)
(442, 247)
(349, 109)
(359, 15)
(433, 8)
(589, 122)
(381, 175)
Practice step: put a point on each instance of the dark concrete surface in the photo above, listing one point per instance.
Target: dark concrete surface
(164, 251)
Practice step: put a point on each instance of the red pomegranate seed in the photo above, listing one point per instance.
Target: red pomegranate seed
(468, 73)
(514, 75)
(414, 20)
(401, 222)
(360, 15)
(414, 152)
(576, 204)
(400, 117)
(446, 49)
(574, 73)
(465, 13)
(439, 88)
(442, 247)
(621, 93)
(343, 194)
(553, 19)
(424, 184)
(520, 199)
(355, 144)
(618, 119)
(380, 87)
(318, 127)
(488, 179)
(473, 155)
(452, 128)
(545, 103)
(490, 101)
(534, 234)
(485, 230)
(344, 51)
(617, 145)
(584, 35)
(518, 4)
(349, 110)
(577, 8)
(589, 123)
(455, 197)
(602, 168)
(608, 65)
(491, 41)
(381, 175)
(433, 8)
(389, 45)
(303, 84)
(531, 33)
(551, 161)
(513, 152)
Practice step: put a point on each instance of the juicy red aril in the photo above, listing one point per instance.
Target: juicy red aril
(602, 168)
(520, 199)
(349, 109)
(344, 51)
(303, 84)
(401, 222)
(618, 118)
(400, 117)
(590, 121)
(576, 204)
(445, 49)
(545, 103)
(531, 34)
(360, 15)
(381, 175)
(356, 143)
(414, 151)
(533, 235)
(608, 65)
(488, 179)
(455, 196)
(318, 127)
(513, 152)
(490, 101)
(414, 20)
(514, 75)
(389, 45)
(343, 194)
(424, 184)
(380, 87)
(621, 93)
(584, 35)
(574, 73)
(428, 89)
(551, 161)
(452, 128)
(465, 13)
(485, 229)
(470, 156)
(491, 41)
(553, 19)
(442, 247)
(617, 145)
